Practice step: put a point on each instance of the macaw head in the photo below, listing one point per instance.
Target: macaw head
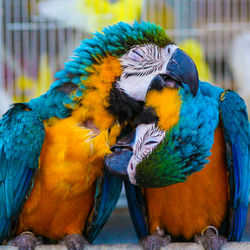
(172, 139)
(129, 60)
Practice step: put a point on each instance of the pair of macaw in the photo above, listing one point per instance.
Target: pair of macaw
(52, 178)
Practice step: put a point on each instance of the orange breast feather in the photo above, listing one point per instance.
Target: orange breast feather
(187, 208)
(64, 188)
(72, 159)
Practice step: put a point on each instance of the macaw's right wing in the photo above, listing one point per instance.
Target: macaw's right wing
(136, 207)
(21, 138)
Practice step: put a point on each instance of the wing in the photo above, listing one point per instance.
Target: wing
(21, 137)
(237, 137)
(136, 208)
(107, 194)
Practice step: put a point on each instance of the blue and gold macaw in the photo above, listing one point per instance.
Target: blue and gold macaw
(52, 148)
(191, 156)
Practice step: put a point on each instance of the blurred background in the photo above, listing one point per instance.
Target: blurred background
(38, 36)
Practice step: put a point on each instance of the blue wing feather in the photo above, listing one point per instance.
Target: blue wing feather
(136, 209)
(21, 137)
(237, 137)
(107, 194)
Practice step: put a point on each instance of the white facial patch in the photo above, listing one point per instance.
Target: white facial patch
(135, 86)
(140, 65)
(148, 136)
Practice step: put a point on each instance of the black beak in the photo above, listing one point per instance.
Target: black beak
(117, 162)
(181, 68)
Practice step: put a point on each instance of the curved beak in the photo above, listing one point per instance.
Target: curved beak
(182, 68)
(117, 161)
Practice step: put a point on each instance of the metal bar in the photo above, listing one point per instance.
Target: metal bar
(34, 26)
(243, 11)
(218, 43)
(8, 50)
(61, 47)
(25, 40)
(34, 45)
(52, 49)
(17, 56)
(43, 49)
(228, 83)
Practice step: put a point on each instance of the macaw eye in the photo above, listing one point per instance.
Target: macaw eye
(151, 142)
(136, 54)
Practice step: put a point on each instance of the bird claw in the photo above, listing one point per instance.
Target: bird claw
(155, 241)
(210, 240)
(25, 241)
(74, 241)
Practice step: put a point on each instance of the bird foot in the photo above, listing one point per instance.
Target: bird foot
(210, 239)
(74, 241)
(26, 241)
(155, 241)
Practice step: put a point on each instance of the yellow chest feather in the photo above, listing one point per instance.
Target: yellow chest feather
(63, 193)
(185, 209)
(72, 159)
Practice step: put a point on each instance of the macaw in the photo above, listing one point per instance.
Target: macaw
(190, 157)
(52, 148)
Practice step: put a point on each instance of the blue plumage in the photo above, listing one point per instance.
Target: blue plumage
(136, 209)
(237, 137)
(21, 138)
(186, 146)
(107, 194)
(200, 116)
(50, 104)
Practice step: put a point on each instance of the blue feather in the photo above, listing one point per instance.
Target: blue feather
(237, 137)
(107, 194)
(4, 228)
(136, 206)
(21, 138)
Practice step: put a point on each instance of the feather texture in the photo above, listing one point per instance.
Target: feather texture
(183, 150)
(79, 97)
(137, 208)
(21, 138)
(107, 194)
(114, 40)
(179, 165)
(237, 136)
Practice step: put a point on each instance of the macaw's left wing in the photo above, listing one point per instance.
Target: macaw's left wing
(237, 138)
(108, 191)
(21, 138)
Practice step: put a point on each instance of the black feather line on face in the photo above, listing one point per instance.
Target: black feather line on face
(147, 116)
(123, 106)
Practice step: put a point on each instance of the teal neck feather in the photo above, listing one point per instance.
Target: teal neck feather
(50, 105)
(186, 146)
